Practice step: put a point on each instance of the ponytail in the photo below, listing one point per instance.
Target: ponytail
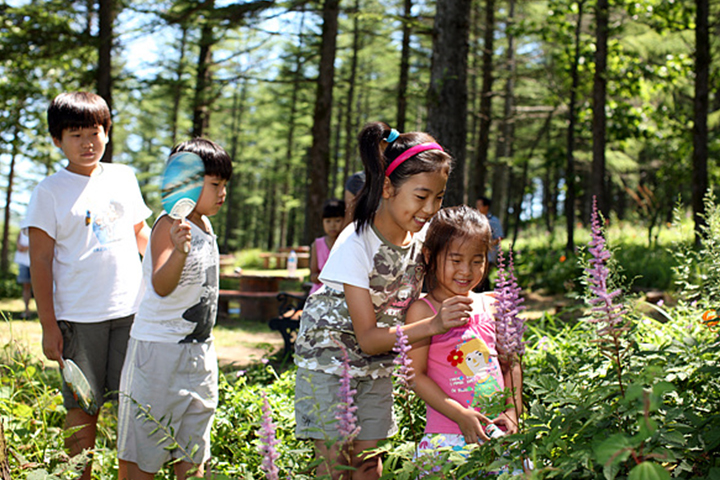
(379, 145)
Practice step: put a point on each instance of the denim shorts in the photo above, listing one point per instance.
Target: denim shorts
(317, 396)
(23, 274)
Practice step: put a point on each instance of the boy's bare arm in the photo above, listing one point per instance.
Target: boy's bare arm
(168, 256)
(42, 251)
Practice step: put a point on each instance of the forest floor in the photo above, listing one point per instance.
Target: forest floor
(238, 343)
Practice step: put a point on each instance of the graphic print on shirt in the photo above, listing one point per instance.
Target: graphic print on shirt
(104, 222)
(203, 313)
(475, 364)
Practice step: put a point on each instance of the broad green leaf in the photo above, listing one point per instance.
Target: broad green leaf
(648, 471)
(615, 449)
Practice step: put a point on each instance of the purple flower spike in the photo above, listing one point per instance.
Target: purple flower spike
(268, 442)
(604, 313)
(347, 420)
(607, 316)
(404, 371)
(509, 327)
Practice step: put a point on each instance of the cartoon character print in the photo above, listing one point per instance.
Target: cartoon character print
(473, 359)
(104, 222)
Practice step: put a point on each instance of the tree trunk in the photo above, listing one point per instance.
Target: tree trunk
(350, 126)
(569, 154)
(447, 102)
(597, 178)
(505, 140)
(177, 91)
(700, 128)
(234, 194)
(5, 254)
(319, 161)
(106, 15)
(201, 103)
(404, 66)
(481, 155)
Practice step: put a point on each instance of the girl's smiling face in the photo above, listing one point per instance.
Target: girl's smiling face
(405, 210)
(461, 267)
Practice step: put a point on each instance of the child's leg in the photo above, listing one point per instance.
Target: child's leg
(131, 471)
(366, 467)
(83, 439)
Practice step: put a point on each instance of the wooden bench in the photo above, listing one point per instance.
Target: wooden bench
(288, 320)
(253, 305)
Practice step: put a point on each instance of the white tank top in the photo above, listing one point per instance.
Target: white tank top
(188, 314)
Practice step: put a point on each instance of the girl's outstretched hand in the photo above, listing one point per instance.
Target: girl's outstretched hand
(454, 312)
(508, 419)
(472, 425)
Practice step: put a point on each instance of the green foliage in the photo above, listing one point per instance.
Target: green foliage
(9, 288)
(698, 269)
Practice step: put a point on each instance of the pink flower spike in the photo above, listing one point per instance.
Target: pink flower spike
(268, 441)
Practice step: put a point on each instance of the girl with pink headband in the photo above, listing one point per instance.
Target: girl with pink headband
(373, 274)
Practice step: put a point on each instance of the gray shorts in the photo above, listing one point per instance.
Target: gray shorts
(170, 384)
(99, 350)
(317, 399)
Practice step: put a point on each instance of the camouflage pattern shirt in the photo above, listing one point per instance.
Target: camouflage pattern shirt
(392, 274)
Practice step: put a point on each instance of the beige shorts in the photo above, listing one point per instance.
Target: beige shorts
(168, 384)
(317, 399)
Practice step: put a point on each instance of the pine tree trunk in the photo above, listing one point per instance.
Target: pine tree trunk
(104, 74)
(481, 156)
(404, 66)
(319, 161)
(569, 154)
(700, 128)
(447, 102)
(597, 177)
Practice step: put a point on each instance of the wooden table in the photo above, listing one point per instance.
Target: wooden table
(280, 259)
(257, 295)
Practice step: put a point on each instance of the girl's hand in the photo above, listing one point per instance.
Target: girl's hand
(472, 425)
(454, 312)
(180, 235)
(508, 419)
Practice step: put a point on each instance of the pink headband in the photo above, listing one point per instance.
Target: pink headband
(409, 153)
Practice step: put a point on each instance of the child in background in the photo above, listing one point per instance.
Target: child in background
(455, 369)
(86, 225)
(333, 221)
(373, 274)
(171, 367)
(22, 258)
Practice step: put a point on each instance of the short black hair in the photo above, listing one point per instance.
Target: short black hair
(74, 110)
(355, 182)
(485, 201)
(217, 161)
(333, 208)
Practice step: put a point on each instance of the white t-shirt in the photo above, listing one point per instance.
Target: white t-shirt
(188, 314)
(96, 265)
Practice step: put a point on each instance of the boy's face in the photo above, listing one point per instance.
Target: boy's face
(83, 147)
(212, 196)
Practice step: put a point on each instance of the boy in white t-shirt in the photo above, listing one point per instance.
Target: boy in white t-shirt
(170, 372)
(86, 225)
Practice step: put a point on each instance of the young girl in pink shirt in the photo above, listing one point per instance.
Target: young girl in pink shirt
(333, 216)
(455, 369)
